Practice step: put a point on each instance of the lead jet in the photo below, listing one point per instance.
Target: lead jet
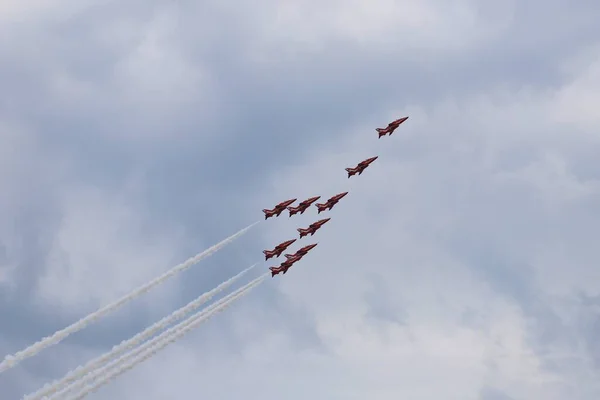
(360, 167)
(303, 206)
(328, 205)
(312, 228)
(284, 266)
(392, 126)
(278, 209)
(280, 248)
(301, 252)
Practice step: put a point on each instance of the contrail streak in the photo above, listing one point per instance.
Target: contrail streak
(171, 335)
(12, 360)
(129, 344)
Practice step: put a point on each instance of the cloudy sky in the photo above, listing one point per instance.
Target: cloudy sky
(462, 265)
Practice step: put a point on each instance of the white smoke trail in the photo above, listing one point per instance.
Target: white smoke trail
(165, 336)
(12, 360)
(133, 342)
(153, 346)
(77, 385)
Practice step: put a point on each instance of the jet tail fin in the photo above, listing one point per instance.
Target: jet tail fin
(268, 213)
(268, 254)
(303, 232)
(321, 207)
(274, 271)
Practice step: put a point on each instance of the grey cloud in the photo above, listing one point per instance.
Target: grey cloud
(496, 228)
(381, 307)
(489, 393)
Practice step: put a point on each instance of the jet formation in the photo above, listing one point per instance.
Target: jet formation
(291, 259)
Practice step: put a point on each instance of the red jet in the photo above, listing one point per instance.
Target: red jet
(280, 248)
(392, 126)
(360, 167)
(284, 266)
(330, 203)
(278, 209)
(312, 228)
(301, 252)
(303, 206)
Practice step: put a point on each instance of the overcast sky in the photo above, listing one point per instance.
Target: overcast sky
(463, 265)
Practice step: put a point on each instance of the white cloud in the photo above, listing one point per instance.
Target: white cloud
(402, 26)
(4, 271)
(102, 250)
(383, 363)
(25, 172)
(575, 104)
(148, 78)
(16, 11)
(156, 74)
(450, 172)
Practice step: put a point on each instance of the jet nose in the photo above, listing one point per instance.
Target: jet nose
(326, 220)
(403, 119)
(345, 193)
